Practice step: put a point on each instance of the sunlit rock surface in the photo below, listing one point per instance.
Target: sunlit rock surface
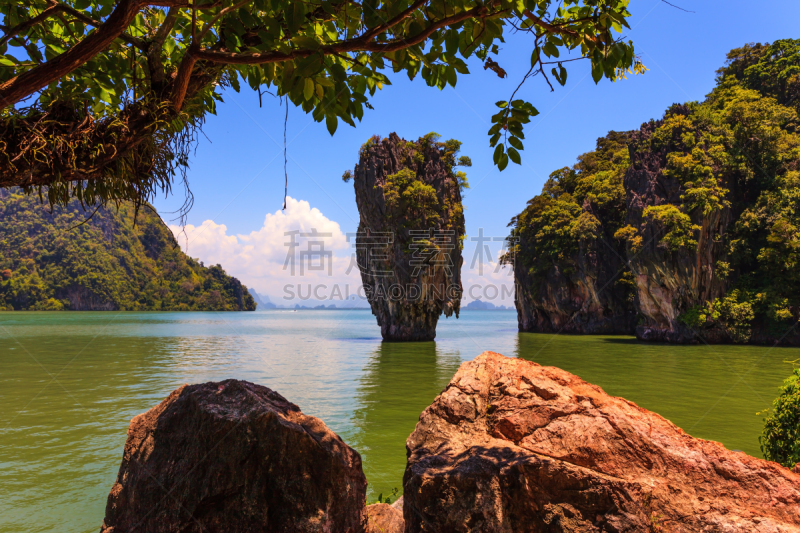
(514, 447)
(409, 234)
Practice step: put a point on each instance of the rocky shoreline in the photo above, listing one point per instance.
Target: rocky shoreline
(508, 446)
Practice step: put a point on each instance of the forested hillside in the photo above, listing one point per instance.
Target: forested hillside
(49, 261)
(687, 230)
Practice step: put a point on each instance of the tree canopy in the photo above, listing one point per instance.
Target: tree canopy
(102, 99)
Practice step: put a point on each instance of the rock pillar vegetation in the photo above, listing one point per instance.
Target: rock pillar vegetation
(410, 232)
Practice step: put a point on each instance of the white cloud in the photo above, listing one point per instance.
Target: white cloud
(258, 259)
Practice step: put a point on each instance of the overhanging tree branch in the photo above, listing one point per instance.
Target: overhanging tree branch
(28, 83)
(363, 43)
(89, 131)
(21, 27)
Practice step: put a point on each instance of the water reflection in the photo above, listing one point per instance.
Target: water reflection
(61, 439)
(61, 444)
(398, 382)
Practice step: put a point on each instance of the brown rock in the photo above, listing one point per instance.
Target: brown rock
(384, 518)
(408, 249)
(514, 447)
(234, 456)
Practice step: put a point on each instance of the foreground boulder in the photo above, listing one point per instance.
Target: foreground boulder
(511, 446)
(234, 456)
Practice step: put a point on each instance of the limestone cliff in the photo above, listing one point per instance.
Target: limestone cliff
(410, 232)
(672, 277)
(697, 214)
(569, 271)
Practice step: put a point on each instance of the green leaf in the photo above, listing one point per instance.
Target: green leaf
(308, 43)
(297, 16)
(597, 72)
(515, 142)
(332, 123)
(503, 163)
(550, 49)
(498, 153)
(534, 57)
(452, 77)
(514, 156)
(308, 89)
(501, 104)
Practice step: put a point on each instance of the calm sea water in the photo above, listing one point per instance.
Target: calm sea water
(70, 383)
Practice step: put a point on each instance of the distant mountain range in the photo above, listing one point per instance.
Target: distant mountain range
(480, 305)
(264, 302)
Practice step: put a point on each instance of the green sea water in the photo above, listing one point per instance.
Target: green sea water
(70, 383)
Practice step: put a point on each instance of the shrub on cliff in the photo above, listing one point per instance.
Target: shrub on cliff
(549, 231)
(780, 441)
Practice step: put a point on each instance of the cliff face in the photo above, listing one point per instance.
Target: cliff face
(671, 278)
(49, 261)
(410, 232)
(569, 271)
(586, 298)
(699, 219)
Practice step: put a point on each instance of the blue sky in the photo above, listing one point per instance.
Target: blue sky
(237, 175)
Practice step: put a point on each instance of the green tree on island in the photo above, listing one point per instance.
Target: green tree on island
(102, 100)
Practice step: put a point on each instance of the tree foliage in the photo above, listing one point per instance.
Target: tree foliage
(780, 440)
(51, 261)
(581, 203)
(115, 90)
